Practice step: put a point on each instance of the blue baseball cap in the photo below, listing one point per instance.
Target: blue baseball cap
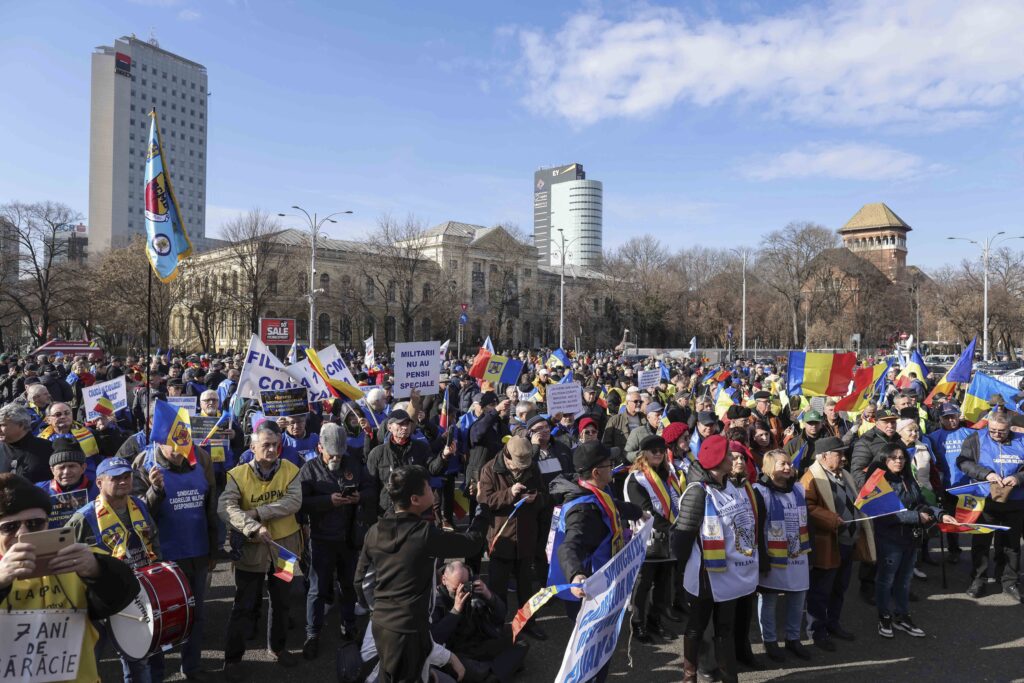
(949, 409)
(113, 467)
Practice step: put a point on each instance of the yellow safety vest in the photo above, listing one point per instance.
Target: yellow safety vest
(47, 593)
(256, 492)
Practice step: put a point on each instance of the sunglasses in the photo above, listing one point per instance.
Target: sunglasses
(31, 525)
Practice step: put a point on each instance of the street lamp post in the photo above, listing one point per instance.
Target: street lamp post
(986, 249)
(315, 226)
(744, 254)
(561, 290)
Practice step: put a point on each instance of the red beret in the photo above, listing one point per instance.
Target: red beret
(713, 451)
(673, 431)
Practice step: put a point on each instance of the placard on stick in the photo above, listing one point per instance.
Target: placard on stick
(285, 402)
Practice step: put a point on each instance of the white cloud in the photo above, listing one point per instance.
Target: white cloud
(189, 14)
(936, 63)
(844, 161)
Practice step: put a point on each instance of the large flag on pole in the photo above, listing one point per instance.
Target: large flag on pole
(982, 388)
(167, 242)
(864, 382)
(819, 374)
(914, 365)
(960, 372)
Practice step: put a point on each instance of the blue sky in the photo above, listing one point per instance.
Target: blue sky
(709, 123)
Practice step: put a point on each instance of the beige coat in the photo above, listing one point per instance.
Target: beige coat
(256, 555)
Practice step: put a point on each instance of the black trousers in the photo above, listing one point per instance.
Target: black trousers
(402, 655)
(1007, 547)
(248, 592)
(704, 611)
(741, 624)
(498, 572)
(653, 585)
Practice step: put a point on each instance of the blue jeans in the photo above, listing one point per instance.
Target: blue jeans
(327, 558)
(196, 570)
(892, 580)
(794, 614)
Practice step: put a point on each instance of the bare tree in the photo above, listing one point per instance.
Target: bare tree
(44, 284)
(402, 276)
(513, 251)
(787, 261)
(259, 261)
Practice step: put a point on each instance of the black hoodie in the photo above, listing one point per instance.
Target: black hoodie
(402, 549)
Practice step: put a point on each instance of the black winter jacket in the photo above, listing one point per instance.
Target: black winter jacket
(327, 521)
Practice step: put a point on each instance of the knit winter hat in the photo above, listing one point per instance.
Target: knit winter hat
(67, 450)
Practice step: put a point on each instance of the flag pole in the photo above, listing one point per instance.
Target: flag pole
(149, 341)
(942, 556)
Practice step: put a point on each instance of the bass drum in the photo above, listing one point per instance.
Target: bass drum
(159, 617)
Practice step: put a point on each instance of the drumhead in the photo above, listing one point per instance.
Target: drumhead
(132, 628)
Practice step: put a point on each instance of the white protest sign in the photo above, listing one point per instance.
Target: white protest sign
(115, 389)
(368, 358)
(41, 645)
(417, 366)
(564, 398)
(600, 618)
(334, 365)
(304, 375)
(186, 402)
(645, 379)
(261, 371)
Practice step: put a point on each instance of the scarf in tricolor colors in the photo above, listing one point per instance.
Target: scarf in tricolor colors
(779, 536)
(81, 434)
(610, 512)
(533, 605)
(664, 499)
(112, 531)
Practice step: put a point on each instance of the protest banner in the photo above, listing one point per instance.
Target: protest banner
(44, 642)
(368, 358)
(116, 390)
(202, 426)
(599, 621)
(65, 505)
(645, 379)
(261, 371)
(189, 403)
(417, 366)
(304, 375)
(285, 402)
(566, 399)
(335, 367)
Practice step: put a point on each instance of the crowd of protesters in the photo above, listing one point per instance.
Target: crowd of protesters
(751, 493)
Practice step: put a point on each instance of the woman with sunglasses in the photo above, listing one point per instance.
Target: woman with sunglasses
(897, 538)
(89, 586)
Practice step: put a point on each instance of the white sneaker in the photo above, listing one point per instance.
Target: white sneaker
(918, 574)
(903, 623)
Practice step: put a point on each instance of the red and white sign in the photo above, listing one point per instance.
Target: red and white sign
(279, 331)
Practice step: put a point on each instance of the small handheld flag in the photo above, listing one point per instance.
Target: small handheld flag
(876, 498)
(285, 562)
(104, 406)
(171, 426)
(508, 519)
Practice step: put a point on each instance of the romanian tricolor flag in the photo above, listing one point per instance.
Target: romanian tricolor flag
(960, 372)
(968, 511)
(461, 503)
(442, 417)
(602, 396)
(864, 382)
(914, 365)
(982, 388)
(104, 406)
(820, 374)
(496, 368)
(876, 497)
(171, 426)
(533, 605)
(716, 376)
(337, 386)
(285, 562)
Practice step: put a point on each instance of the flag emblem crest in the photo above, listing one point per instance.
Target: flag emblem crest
(181, 435)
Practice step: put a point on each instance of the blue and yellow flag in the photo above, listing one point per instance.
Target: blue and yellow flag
(167, 243)
(171, 426)
(559, 359)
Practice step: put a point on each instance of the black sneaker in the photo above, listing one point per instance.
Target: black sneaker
(797, 648)
(1014, 592)
(284, 658)
(774, 652)
(976, 589)
(841, 633)
(903, 623)
(311, 648)
(885, 627)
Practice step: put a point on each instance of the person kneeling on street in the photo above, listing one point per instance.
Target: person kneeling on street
(469, 619)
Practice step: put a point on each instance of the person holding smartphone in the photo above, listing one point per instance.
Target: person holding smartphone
(340, 500)
(75, 579)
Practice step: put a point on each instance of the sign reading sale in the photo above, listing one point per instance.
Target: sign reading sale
(277, 331)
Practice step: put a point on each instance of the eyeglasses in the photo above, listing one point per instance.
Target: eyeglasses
(31, 525)
(637, 403)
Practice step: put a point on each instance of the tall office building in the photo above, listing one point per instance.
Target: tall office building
(567, 207)
(128, 80)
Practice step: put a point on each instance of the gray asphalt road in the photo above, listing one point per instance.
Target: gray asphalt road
(967, 640)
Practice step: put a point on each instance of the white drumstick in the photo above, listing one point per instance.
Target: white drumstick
(129, 616)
